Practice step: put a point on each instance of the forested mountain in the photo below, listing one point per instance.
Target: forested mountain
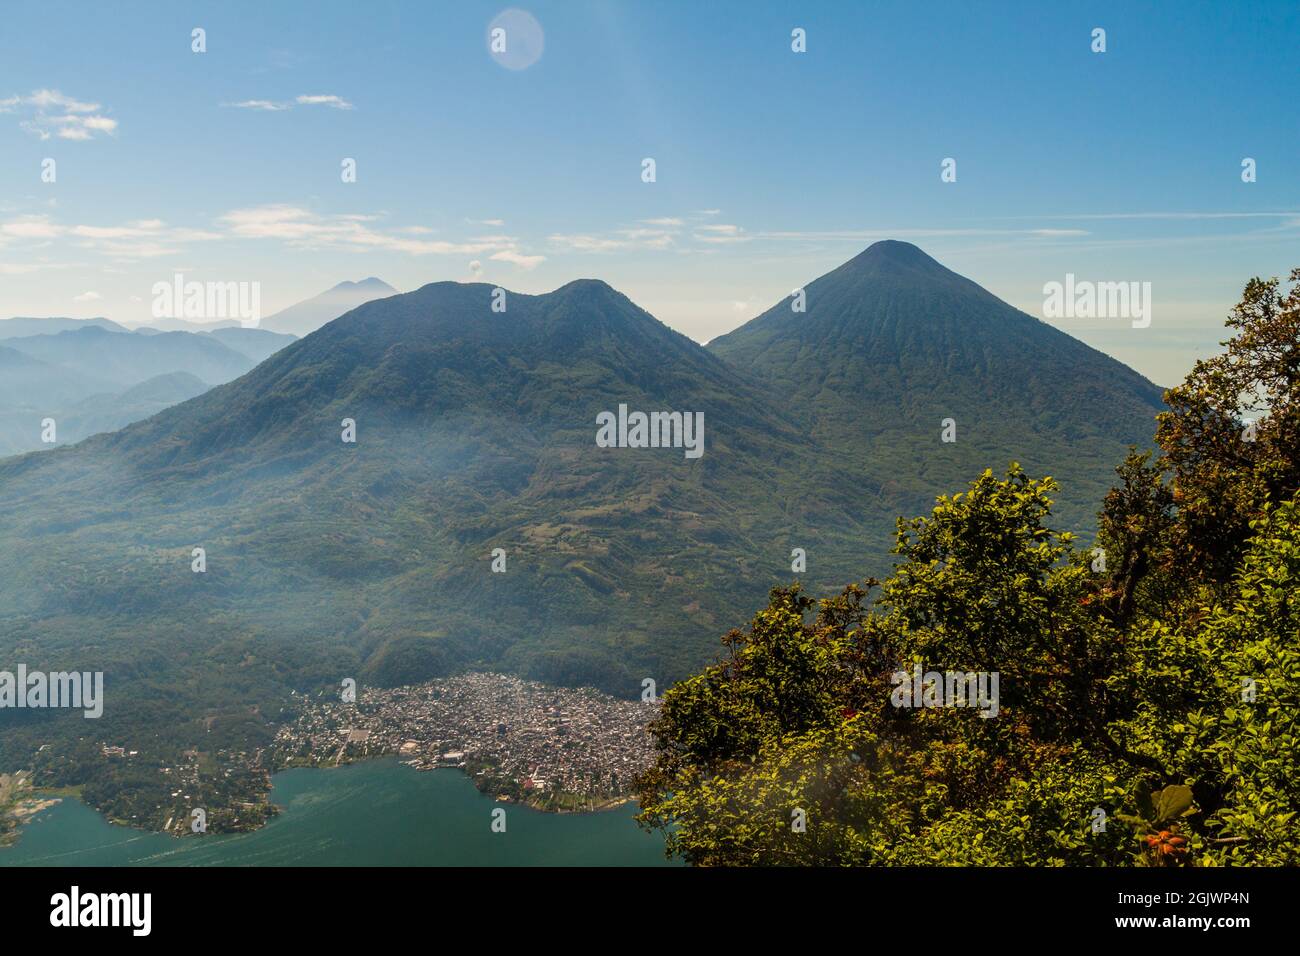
(475, 430)
(892, 343)
(1008, 697)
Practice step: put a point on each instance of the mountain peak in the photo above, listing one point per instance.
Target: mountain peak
(588, 288)
(370, 282)
(894, 255)
(308, 316)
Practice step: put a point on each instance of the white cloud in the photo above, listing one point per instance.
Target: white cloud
(325, 100)
(47, 98)
(295, 226)
(522, 261)
(87, 297)
(871, 235)
(134, 248)
(277, 106)
(50, 113)
(138, 239)
(30, 227)
(648, 238)
(263, 105)
(660, 233)
(721, 233)
(586, 243)
(100, 124)
(302, 228)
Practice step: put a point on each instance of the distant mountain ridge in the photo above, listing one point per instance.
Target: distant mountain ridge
(85, 376)
(309, 315)
(18, 327)
(127, 359)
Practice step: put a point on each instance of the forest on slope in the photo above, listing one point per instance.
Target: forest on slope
(1147, 686)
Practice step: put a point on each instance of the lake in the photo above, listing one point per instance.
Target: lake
(372, 813)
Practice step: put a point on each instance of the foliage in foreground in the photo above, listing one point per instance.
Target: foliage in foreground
(1148, 688)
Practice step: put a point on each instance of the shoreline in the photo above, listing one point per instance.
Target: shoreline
(602, 805)
(48, 797)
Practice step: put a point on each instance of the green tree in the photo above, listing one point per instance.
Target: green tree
(1157, 690)
(1231, 436)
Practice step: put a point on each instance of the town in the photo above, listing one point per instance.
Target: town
(553, 748)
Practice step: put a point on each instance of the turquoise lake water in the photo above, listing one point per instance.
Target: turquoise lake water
(373, 813)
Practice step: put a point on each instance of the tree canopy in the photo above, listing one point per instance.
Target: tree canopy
(1147, 685)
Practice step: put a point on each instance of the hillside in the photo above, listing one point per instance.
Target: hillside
(90, 378)
(892, 343)
(476, 430)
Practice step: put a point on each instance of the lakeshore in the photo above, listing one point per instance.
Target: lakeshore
(558, 749)
(375, 812)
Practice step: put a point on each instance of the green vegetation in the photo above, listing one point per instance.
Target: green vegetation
(1148, 701)
(892, 343)
(475, 430)
(19, 802)
(9, 787)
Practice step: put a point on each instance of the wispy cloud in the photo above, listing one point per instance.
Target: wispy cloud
(137, 239)
(325, 99)
(721, 233)
(27, 268)
(522, 261)
(295, 226)
(871, 235)
(48, 113)
(304, 229)
(584, 242)
(30, 227)
(264, 105)
(1280, 214)
(280, 106)
(658, 233)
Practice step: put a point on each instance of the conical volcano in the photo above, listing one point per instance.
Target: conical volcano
(892, 353)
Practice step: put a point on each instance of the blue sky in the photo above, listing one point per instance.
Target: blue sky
(772, 166)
